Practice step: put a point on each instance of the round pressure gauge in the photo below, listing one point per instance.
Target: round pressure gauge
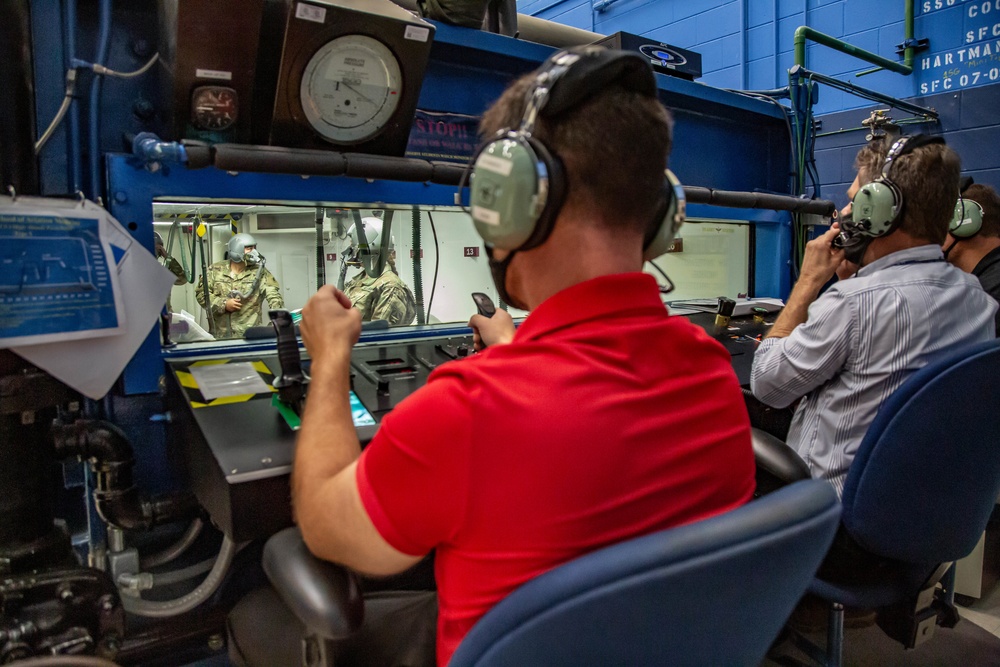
(214, 107)
(350, 89)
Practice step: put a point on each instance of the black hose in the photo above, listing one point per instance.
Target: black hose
(320, 255)
(204, 277)
(418, 278)
(437, 263)
(117, 499)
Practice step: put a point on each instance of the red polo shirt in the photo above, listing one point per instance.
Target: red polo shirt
(604, 419)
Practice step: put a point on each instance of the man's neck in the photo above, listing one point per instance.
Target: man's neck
(236, 267)
(574, 253)
(967, 253)
(886, 245)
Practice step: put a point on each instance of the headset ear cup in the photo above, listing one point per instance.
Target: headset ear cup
(504, 192)
(551, 178)
(876, 206)
(968, 219)
(668, 222)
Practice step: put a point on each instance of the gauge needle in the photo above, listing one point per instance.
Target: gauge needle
(360, 94)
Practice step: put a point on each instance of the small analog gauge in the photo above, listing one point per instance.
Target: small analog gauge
(350, 89)
(214, 107)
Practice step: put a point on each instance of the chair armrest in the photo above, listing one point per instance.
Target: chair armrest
(777, 464)
(324, 596)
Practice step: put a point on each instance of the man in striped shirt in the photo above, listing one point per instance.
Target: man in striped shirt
(845, 351)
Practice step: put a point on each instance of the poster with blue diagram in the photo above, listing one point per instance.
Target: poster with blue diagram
(58, 273)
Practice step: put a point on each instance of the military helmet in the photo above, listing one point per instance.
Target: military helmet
(366, 246)
(237, 247)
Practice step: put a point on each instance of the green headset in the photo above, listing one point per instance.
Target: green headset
(517, 185)
(968, 218)
(877, 207)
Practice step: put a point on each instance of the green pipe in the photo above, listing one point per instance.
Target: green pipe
(802, 33)
(908, 52)
(908, 37)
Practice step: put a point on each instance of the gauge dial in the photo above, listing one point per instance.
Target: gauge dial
(350, 89)
(214, 107)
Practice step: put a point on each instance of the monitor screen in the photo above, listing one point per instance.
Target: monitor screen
(360, 413)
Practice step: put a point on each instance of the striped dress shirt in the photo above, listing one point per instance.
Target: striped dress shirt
(863, 337)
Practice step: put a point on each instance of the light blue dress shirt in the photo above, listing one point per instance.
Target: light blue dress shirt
(863, 337)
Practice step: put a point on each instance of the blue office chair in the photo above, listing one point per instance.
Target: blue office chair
(917, 497)
(715, 592)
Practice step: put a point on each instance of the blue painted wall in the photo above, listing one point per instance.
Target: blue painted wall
(748, 44)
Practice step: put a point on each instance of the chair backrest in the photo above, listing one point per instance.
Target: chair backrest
(715, 592)
(926, 476)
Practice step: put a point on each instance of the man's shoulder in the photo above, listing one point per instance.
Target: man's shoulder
(988, 271)
(389, 279)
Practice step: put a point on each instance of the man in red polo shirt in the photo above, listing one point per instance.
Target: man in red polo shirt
(600, 419)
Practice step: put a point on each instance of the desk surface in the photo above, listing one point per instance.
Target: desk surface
(239, 453)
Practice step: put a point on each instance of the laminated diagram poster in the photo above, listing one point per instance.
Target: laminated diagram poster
(58, 272)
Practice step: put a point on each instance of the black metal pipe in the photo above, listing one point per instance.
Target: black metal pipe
(761, 200)
(231, 157)
(863, 92)
(278, 160)
(18, 167)
(117, 499)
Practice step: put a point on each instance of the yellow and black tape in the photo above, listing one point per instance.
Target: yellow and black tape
(197, 400)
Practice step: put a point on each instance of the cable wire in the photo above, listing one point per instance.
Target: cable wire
(101, 70)
(437, 263)
(669, 287)
(63, 108)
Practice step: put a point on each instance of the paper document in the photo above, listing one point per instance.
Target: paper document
(92, 365)
(58, 271)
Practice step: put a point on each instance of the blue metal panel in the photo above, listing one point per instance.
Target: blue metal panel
(50, 88)
(772, 266)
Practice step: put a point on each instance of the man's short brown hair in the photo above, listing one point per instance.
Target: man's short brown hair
(928, 179)
(613, 145)
(986, 197)
(868, 161)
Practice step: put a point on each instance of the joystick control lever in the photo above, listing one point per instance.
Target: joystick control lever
(484, 304)
(486, 308)
(291, 382)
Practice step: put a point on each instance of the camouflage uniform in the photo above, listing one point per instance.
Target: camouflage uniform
(384, 298)
(221, 283)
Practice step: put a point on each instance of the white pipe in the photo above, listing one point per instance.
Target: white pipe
(187, 602)
(532, 29)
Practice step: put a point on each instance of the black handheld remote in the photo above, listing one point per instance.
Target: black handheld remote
(484, 304)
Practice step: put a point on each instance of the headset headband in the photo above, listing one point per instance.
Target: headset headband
(905, 145)
(582, 72)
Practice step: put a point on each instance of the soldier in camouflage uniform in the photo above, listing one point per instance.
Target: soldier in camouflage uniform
(378, 291)
(172, 264)
(237, 289)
